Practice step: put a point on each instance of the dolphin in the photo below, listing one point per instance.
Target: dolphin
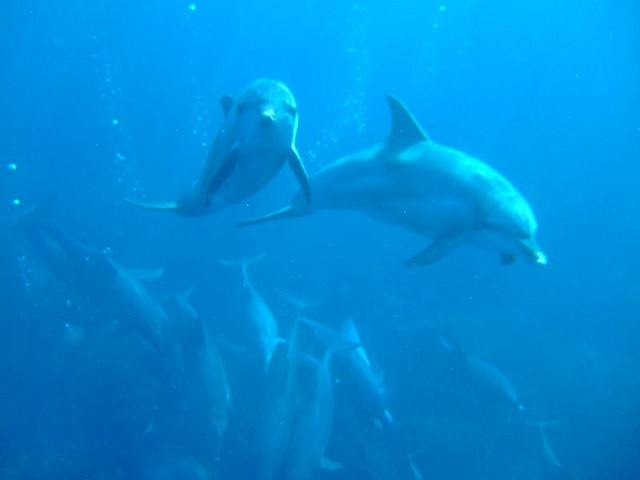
(255, 139)
(440, 193)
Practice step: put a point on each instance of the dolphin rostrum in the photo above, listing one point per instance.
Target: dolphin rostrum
(256, 137)
(436, 191)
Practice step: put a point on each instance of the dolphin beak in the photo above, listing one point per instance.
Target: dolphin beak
(268, 115)
(533, 253)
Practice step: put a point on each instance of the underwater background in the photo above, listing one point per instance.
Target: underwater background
(106, 100)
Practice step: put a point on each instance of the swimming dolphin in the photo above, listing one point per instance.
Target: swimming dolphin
(436, 191)
(256, 137)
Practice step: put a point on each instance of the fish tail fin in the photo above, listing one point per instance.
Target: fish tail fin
(329, 337)
(244, 264)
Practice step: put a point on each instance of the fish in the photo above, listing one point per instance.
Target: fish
(353, 367)
(256, 137)
(206, 390)
(111, 288)
(263, 324)
(312, 430)
(488, 380)
(491, 381)
(556, 466)
(276, 426)
(365, 386)
(438, 192)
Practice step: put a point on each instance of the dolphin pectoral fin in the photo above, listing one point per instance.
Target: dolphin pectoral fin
(300, 172)
(221, 176)
(166, 206)
(284, 212)
(226, 102)
(507, 258)
(439, 248)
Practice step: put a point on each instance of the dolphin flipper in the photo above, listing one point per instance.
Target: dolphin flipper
(285, 212)
(296, 165)
(438, 249)
(226, 102)
(223, 173)
(507, 258)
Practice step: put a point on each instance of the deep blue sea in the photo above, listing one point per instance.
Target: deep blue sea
(106, 100)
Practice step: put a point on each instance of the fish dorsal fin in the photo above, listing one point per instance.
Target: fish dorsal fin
(405, 130)
(226, 102)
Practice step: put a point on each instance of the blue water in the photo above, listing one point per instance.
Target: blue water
(106, 100)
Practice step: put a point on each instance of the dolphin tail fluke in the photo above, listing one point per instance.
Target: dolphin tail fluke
(285, 212)
(165, 206)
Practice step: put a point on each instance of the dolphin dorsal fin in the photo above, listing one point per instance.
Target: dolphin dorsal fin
(226, 102)
(405, 130)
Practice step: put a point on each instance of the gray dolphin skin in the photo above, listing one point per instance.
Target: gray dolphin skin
(256, 138)
(438, 192)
